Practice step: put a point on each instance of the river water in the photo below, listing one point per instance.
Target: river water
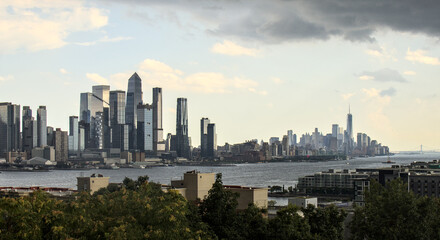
(256, 175)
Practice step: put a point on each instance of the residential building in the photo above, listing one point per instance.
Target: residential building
(182, 145)
(61, 145)
(42, 126)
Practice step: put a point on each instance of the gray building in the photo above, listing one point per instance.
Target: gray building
(134, 98)
(158, 142)
(117, 119)
(29, 131)
(42, 126)
(73, 135)
(204, 137)
(145, 128)
(9, 128)
(212, 141)
(182, 141)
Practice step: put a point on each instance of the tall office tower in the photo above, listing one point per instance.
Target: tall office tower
(349, 130)
(212, 140)
(106, 127)
(9, 128)
(42, 126)
(359, 141)
(272, 140)
(50, 136)
(134, 98)
(73, 135)
(182, 145)
(204, 137)
(285, 145)
(290, 138)
(117, 118)
(85, 107)
(61, 145)
(29, 129)
(102, 94)
(101, 129)
(294, 139)
(87, 112)
(145, 127)
(158, 143)
(335, 130)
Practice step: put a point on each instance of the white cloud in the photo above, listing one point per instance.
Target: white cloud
(104, 39)
(380, 52)
(63, 71)
(420, 56)
(158, 74)
(97, 78)
(347, 96)
(409, 73)
(277, 80)
(366, 77)
(44, 24)
(375, 102)
(6, 78)
(233, 49)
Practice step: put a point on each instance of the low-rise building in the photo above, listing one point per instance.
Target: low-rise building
(303, 201)
(247, 195)
(92, 184)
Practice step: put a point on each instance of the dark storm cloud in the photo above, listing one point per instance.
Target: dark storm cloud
(384, 75)
(388, 92)
(278, 21)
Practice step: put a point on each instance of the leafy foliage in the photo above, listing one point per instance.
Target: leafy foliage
(393, 212)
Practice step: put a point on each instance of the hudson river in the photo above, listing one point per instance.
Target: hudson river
(256, 175)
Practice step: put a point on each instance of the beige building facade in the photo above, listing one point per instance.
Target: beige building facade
(92, 184)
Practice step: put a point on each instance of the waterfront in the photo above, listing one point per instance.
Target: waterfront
(258, 175)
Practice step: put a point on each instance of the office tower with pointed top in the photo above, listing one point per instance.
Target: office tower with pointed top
(158, 142)
(42, 126)
(204, 137)
(9, 128)
(182, 141)
(134, 98)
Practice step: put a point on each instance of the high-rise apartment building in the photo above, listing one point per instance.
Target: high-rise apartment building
(182, 141)
(145, 128)
(134, 98)
(212, 140)
(204, 137)
(50, 136)
(42, 126)
(9, 128)
(61, 145)
(73, 135)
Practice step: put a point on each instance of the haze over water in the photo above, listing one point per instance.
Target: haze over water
(257, 175)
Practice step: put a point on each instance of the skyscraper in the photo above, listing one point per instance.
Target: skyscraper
(29, 130)
(42, 126)
(9, 128)
(158, 143)
(145, 127)
(204, 136)
(182, 141)
(117, 118)
(335, 129)
(212, 140)
(73, 135)
(349, 132)
(61, 145)
(102, 94)
(134, 98)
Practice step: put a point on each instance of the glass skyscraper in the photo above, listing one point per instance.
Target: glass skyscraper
(42, 126)
(145, 127)
(134, 98)
(204, 136)
(9, 128)
(158, 143)
(182, 146)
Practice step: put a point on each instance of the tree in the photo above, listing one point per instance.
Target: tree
(325, 223)
(288, 224)
(218, 210)
(393, 212)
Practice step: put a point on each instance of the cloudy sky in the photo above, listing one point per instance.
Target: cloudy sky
(254, 67)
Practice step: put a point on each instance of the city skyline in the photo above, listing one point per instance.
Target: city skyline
(254, 80)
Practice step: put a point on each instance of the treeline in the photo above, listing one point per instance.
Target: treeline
(141, 210)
